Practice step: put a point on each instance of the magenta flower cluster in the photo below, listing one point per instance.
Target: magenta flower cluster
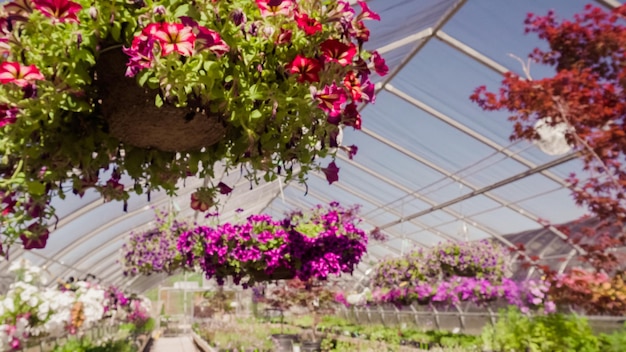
(313, 245)
(526, 295)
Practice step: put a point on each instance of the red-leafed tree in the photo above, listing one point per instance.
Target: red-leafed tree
(588, 95)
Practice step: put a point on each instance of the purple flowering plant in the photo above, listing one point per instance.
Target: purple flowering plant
(451, 273)
(527, 295)
(154, 250)
(481, 259)
(324, 241)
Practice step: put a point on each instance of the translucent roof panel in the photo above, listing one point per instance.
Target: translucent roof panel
(403, 18)
(422, 134)
(496, 28)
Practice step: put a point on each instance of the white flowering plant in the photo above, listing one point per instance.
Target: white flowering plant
(29, 311)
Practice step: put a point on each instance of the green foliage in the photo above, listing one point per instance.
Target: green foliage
(394, 336)
(85, 345)
(515, 331)
(613, 342)
(144, 328)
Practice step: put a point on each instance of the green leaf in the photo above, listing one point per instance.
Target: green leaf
(116, 30)
(158, 101)
(255, 93)
(142, 77)
(36, 188)
(182, 10)
(255, 114)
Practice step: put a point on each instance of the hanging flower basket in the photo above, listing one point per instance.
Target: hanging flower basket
(135, 120)
(91, 91)
(323, 242)
(278, 274)
(154, 250)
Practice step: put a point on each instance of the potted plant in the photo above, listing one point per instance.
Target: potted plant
(326, 240)
(154, 250)
(317, 297)
(132, 96)
(481, 259)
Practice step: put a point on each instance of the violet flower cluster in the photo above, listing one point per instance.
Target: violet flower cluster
(313, 245)
(526, 295)
(480, 259)
(154, 251)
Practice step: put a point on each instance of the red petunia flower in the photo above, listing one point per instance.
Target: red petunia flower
(379, 64)
(351, 116)
(352, 150)
(309, 25)
(224, 188)
(61, 10)
(332, 173)
(360, 32)
(284, 37)
(8, 115)
(308, 69)
(35, 237)
(14, 72)
(175, 37)
(9, 200)
(353, 84)
(335, 51)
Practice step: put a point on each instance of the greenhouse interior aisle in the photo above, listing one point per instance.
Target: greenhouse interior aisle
(178, 343)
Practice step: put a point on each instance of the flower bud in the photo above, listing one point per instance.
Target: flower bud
(93, 13)
(238, 17)
(268, 31)
(159, 10)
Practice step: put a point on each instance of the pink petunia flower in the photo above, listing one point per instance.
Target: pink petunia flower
(141, 55)
(61, 10)
(206, 38)
(19, 7)
(14, 72)
(366, 13)
(331, 98)
(275, 7)
(175, 37)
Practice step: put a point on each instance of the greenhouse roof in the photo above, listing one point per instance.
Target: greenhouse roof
(431, 165)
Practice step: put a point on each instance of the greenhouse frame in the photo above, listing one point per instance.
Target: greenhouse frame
(432, 167)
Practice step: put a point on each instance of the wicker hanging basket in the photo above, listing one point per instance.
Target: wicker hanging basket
(134, 119)
(278, 274)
